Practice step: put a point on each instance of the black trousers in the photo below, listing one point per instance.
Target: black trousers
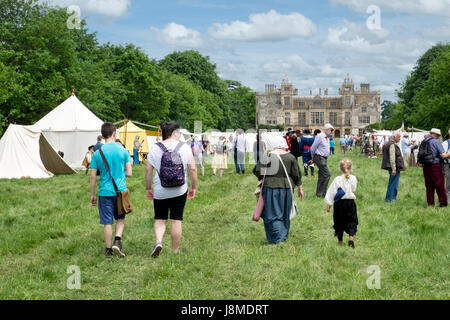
(324, 175)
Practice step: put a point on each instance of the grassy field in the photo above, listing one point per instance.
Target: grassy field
(48, 225)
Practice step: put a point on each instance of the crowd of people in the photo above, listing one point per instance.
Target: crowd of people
(277, 169)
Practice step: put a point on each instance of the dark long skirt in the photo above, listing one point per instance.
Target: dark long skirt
(277, 208)
(345, 218)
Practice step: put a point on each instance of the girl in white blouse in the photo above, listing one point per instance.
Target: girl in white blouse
(341, 194)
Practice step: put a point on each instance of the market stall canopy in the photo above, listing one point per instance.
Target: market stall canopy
(127, 134)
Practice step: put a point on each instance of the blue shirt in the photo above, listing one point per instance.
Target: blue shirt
(117, 157)
(321, 145)
(436, 150)
(405, 147)
(342, 141)
(97, 146)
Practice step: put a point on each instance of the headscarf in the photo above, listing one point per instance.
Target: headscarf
(278, 142)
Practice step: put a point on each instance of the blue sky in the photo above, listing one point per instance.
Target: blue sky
(314, 43)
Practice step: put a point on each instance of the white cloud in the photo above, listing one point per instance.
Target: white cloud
(110, 8)
(270, 26)
(177, 35)
(432, 7)
(291, 64)
(357, 38)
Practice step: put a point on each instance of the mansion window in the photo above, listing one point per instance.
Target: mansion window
(347, 118)
(347, 100)
(364, 120)
(302, 118)
(317, 118)
(356, 100)
(364, 109)
(287, 101)
(287, 118)
(347, 132)
(333, 118)
(333, 104)
(278, 101)
(317, 103)
(269, 121)
(301, 104)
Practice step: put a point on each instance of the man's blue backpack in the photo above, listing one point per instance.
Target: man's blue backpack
(171, 172)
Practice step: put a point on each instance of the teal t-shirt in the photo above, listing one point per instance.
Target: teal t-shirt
(116, 156)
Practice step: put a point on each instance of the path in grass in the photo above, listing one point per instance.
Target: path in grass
(48, 225)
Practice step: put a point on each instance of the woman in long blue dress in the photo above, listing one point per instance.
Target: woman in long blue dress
(276, 191)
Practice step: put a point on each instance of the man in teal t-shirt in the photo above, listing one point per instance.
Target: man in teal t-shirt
(119, 162)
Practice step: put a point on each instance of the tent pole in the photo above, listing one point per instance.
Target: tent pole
(126, 131)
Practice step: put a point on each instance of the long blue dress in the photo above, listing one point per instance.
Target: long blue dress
(277, 209)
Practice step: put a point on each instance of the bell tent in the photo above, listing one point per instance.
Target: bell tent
(25, 153)
(71, 128)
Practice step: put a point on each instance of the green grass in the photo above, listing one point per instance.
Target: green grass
(48, 225)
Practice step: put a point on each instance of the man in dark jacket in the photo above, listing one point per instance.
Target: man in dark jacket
(394, 163)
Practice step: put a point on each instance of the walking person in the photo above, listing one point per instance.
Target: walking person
(136, 147)
(220, 156)
(277, 191)
(99, 143)
(341, 195)
(88, 159)
(394, 163)
(119, 163)
(343, 144)
(305, 148)
(320, 152)
(331, 145)
(295, 146)
(171, 159)
(197, 151)
(406, 149)
(433, 170)
(258, 154)
(239, 152)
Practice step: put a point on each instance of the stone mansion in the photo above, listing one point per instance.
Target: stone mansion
(349, 112)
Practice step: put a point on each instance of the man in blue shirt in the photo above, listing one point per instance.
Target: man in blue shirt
(119, 162)
(343, 144)
(433, 173)
(99, 143)
(320, 150)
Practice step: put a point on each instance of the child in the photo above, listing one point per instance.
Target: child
(341, 196)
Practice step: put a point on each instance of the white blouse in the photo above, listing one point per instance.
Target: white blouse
(349, 187)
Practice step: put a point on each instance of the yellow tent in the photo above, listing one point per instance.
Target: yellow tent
(127, 134)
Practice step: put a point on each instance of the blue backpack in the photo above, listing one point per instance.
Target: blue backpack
(171, 172)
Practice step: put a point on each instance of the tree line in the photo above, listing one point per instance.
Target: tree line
(424, 97)
(42, 60)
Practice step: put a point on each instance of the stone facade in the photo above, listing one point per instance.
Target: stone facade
(349, 112)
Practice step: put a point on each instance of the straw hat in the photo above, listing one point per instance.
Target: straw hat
(436, 131)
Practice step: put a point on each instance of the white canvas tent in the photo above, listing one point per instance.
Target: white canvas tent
(71, 128)
(25, 153)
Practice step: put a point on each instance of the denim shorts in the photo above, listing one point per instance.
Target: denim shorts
(107, 208)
